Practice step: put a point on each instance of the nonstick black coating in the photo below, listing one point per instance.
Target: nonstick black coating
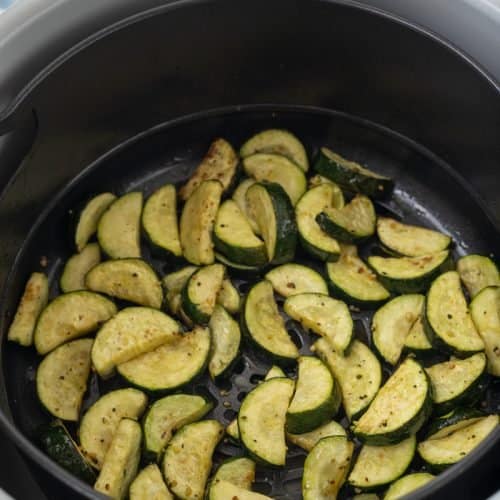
(427, 193)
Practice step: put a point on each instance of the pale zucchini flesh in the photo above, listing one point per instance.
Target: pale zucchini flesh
(232, 430)
(240, 197)
(133, 280)
(173, 284)
(274, 372)
(149, 485)
(70, 316)
(77, 266)
(238, 471)
(292, 279)
(33, 301)
(132, 332)
(477, 272)
(407, 484)
(308, 440)
(229, 297)
(224, 490)
(416, 341)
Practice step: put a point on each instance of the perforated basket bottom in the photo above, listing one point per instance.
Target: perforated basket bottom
(168, 154)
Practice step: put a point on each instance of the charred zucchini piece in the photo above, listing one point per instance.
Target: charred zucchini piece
(173, 284)
(229, 297)
(222, 490)
(293, 279)
(77, 266)
(477, 272)
(407, 484)
(239, 267)
(239, 197)
(238, 471)
(416, 341)
(308, 440)
(149, 485)
(457, 419)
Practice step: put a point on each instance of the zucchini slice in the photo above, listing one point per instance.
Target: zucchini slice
(351, 175)
(199, 295)
(308, 440)
(379, 465)
(239, 267)
(263, 324)
(238, 471)
(119, 229)
(416, 341)
(412, 241)
(485, 311)
(132, 332)
(229, 297)
(358, 373)
(89, 217)
(219, 164)
(188, 458)
(101, 420)
(159, 221)
(133, 280)
(277, 141)
(59, 445)
(121, 461)
(149, 485)
(440, 453)
(318, 180)
(458, 382)
(407, 484)
(61, 379)
(314, 201)
(172, 364)
(448, 323)
(232, 430)
(33, 301)
(274, 372)
(326, 468)
(293, 279)
(327, 317)
(270, 206)
(69, 316)
(351, 280)
(391, 325)
(316, 399)
(167, 415)
(399, 409)
(226, 338)
(477, 272)
(353, 223)
(77, 266)
(240, 197)
(277, 169)
(197, 222)
(457, 419)
(173, 284)
(224, 490)
(409, 274)
(233, 236)
(261, 421)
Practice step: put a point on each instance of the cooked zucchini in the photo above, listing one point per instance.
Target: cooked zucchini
(61, 379)
(416, 341)
(239, 267)
(316, 399)
(324, 316)
(448, 323)
(409, 274)
(77, 266)
(308, 440)
(261, 421)
(318, 180)
(277, 169)
(234, 237)
(351, 280)
(485, 312)
(133, 280)
(477, 272)
(440, 453)
(270, 206)
(33, 301)
(274, 372)
(225, 346)
(101, 420)
(380, 465)
(326, 468)
(293, 279)
(351, 175)
(173, 284)
(240, 197)
(229, 297)
(458, 382)
(188, 458)
(238, 471)
(149, 485)
(60, 447)
(167, 415)
(277, 141)
(263, 324)
(219, 164)
(199, 294)
(314, 201)
(132, 332)
(224, 490)
(407, 484)
(457, 419)
(399, 409)
(89, 217)
(391, 325)
(172, 364)
(412, 241)
(358, 373)
(159, 221)
(353, 223)
(119, 229)
(69, 316)
(121, 461)
(232, 430)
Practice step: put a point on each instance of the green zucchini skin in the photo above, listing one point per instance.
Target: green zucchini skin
(457, 415)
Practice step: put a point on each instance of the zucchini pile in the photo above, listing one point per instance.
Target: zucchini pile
(309, 252)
